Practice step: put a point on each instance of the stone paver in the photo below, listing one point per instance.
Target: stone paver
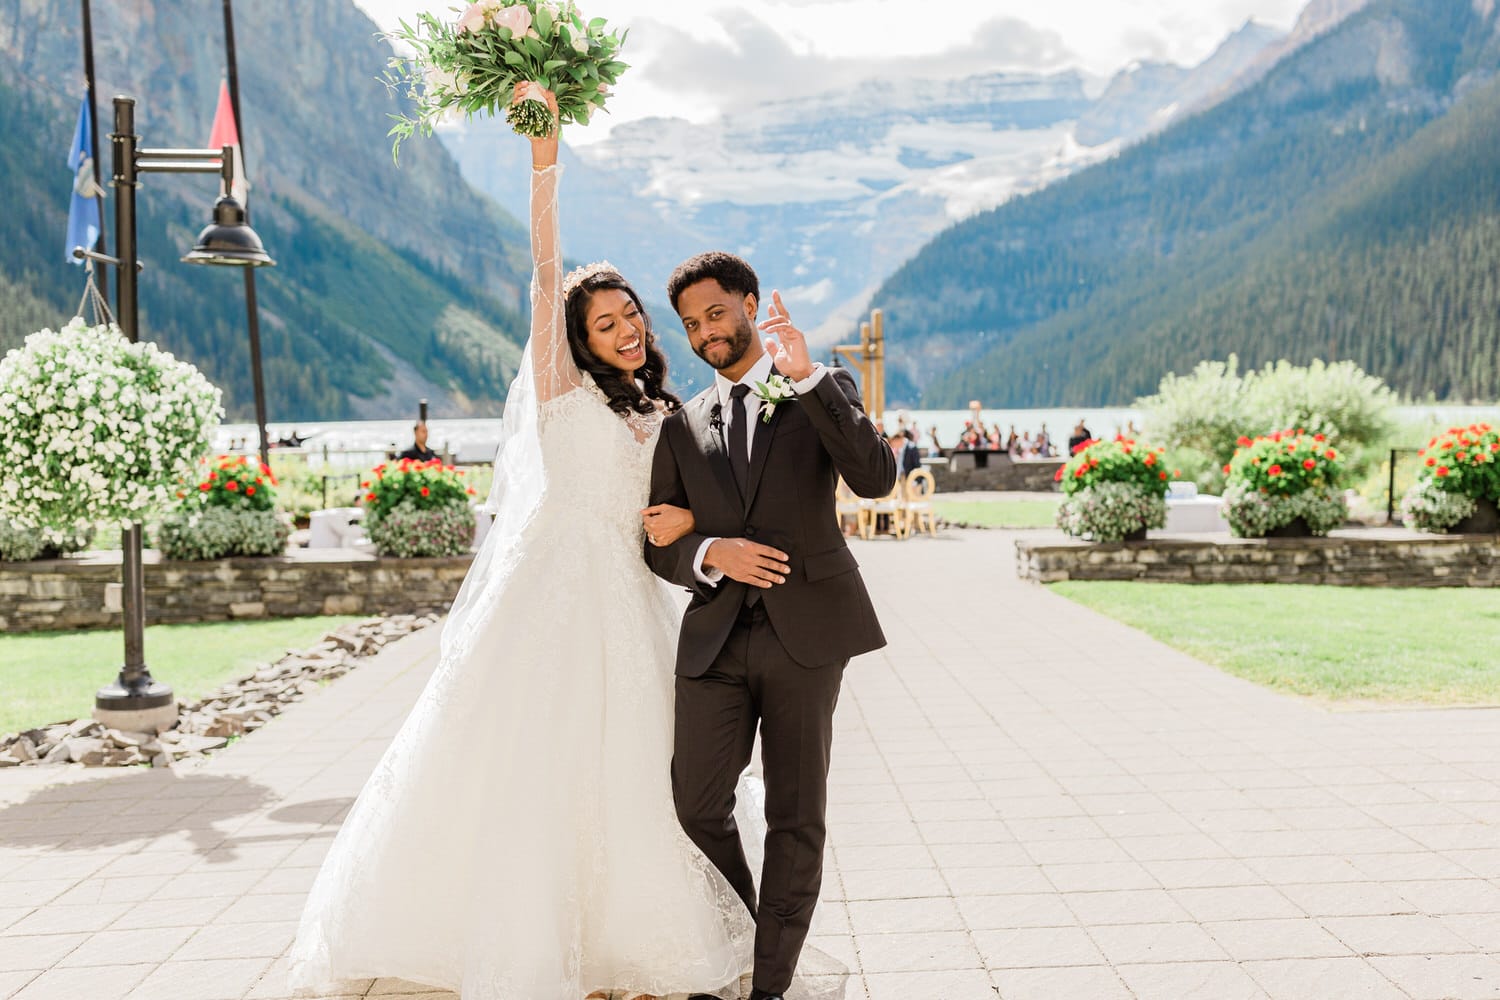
(1028, 801)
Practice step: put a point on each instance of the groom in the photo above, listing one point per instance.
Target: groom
(778, 606)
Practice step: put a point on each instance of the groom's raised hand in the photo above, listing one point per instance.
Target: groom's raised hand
(748, 562)
(787, 345)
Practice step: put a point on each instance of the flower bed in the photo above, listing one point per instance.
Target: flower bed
(231, 511)
(419, 509)
(1285, 483)
(1115, 490)
(1459, 486)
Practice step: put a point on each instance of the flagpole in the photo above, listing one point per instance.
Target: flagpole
(252, 309)
(101, 274)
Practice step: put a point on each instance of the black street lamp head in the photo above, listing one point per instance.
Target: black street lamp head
(229, 241)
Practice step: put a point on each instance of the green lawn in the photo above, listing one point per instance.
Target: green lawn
(999, 513)
(1339, 644)
(52, 676)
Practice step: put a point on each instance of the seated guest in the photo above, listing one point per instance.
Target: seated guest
(419, 452)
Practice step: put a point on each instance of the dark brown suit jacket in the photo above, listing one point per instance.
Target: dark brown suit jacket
(822, 614)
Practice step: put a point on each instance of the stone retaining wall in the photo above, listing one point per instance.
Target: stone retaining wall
(85, 593)
(1353, 558)
(962, 473)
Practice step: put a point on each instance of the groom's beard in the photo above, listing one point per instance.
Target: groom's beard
(733, 349)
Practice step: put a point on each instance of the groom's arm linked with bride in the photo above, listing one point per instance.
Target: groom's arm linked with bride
(778, 606)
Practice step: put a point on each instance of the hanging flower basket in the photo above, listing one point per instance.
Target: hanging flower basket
(97, 428)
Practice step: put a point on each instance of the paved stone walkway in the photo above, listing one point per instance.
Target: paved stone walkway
(1030, 801)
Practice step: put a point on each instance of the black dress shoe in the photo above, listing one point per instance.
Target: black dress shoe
(763, 995)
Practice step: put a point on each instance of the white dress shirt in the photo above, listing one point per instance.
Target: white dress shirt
(758, 372)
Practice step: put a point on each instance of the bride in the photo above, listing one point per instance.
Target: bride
(518, 839)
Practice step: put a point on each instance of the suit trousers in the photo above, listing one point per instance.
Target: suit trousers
(754, 683)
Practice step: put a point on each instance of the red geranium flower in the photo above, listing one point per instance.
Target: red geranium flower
(1331, 454)
(232, 486)
(212, 474)
(1243, 441)
(1164, 475)
(1150, 459)
(1274, 470)
(1320, 438)
(1442, 471)
(249, 491)
(370, 497)
(425, 491)
(1226, 468)
(1431, 462)
(1309, 464)
(205, 487)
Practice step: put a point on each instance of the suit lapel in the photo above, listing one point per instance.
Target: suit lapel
(760, 450)
(708, 430)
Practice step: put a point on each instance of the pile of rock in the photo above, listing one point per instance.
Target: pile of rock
(237, 708)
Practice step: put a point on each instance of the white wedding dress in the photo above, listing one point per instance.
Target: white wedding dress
(518, 840)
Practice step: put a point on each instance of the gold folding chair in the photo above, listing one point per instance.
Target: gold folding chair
(920, 516)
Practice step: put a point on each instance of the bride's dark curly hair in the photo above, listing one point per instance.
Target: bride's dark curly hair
(625, 396)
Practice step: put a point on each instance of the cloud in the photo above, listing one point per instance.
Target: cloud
(751, 61)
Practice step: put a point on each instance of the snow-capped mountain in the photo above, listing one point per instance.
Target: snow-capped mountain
(827, 194)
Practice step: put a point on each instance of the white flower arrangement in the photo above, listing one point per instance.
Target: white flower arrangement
(98, 428)
(1111, 511)
(1428, 507)
(1253, 514)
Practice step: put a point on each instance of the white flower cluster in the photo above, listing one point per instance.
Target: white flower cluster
(1108, 512)
(1253, 514)
(1428, 507)
(97, 428)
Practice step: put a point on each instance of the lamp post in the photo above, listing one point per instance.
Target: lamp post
(137, 701)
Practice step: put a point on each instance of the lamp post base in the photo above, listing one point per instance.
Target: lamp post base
(142, 706)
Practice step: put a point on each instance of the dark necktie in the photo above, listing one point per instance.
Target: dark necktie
(739, 445)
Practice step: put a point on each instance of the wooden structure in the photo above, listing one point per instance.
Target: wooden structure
(867, 359)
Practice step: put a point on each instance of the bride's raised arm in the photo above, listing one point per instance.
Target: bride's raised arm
(551, 358)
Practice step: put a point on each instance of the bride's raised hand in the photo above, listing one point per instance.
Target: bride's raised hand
(543, 151)
(666, 524)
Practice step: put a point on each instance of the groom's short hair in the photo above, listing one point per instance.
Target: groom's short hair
(734, 275)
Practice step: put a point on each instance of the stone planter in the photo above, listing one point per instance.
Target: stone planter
(1138, 535)
(1295, 528)
(1484, 521)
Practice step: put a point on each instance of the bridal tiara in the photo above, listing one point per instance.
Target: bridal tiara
(581, 274)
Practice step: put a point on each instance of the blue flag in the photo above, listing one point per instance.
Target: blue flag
(84, 209)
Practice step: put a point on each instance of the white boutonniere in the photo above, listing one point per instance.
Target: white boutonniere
(772, 393)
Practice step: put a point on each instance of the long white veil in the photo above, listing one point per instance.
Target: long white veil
(515, 495)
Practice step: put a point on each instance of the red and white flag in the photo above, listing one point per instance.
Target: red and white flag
(227, 133)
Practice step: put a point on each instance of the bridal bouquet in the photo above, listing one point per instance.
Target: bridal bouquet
(475, 63)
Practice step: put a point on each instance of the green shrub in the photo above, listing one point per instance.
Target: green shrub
(1206, 411)
(19, 544)
(407, 530)
(203, 533)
